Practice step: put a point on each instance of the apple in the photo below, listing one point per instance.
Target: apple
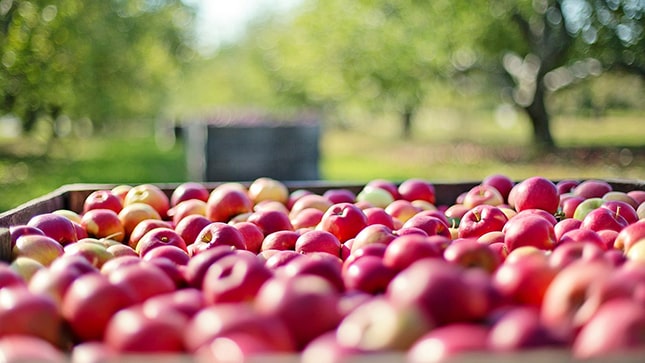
(608, 238)
(343, 220)
(141, 280)
(525, 278)
(187, 191)
(235, 278)
(501, 182)
(158, 237)
(622, 209)
(368, 274)
(430, 224)
(265, 188)
(306, 218)
(187, 301)
(9, 277)
(224, 203)
(529, 230)
(339, 195)
(481, 219)
(95, 252)
(407, 249)
(25, 267)
(388, 185)
(92, 351)
(103, 223)
(252, 234)
(603, 218)
(121, 191)
(529, 332)
(173, 253)
(491, 237)
(499, 248)
(615, 330)
(311, 201)
(102, 199)
(301, 298)
(280, 258)
(328, 348)
(271, 221)
(118, 263)
(226, 319)
(90, 302)
(378, 215)
(417, 189)
(69, 214)
(482, 194)
(587, 206)
(28, 348)
(317, 241)
(569, 252)
(375, 196)
(640, 211)
(449, 342)
(437, 288)
(53, 283)
(582, 235)
(402, 210)
(23, 312)
(565, 225)
(378, 325)
(133, 214)
(144, 227)
(565, 296)
(271, 205)
(18, 230)
(319, 264)
(280, 240)
(629, 235)
(220, 233)
(536, 193)
(637, 251)
(151, 195)
(189, 227)
(198, 264)
(130, 331)
(467, 252)
(187, 208)
(619, 196)
(55, 226)
(569, 204)
(374, 233)
(592, 188)
(566, 185)
(454, 213)
(40, 248)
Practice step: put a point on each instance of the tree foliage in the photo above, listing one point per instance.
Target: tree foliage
(102, 60)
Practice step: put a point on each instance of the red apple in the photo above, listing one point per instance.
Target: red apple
(529, 231)
(121, 191)
(188, 190)
(253, 235)
(310, 201)
(449, 342)
(9, 277)
(566, 185)
(198, 264)
(567, 253)
(343, 220)
(608, 238)
(187, 208)
(102, 199)
(368, 274)
(619, 196)
(481, 219)
(318, 241)
(133, 214)
(592, 188)
(564, 226)
(375, 233)
(28, 348)
(482, 194)
(18, 230)
(318, 264)
(55, 226)
(603, 218)
(622, 209)
(528, 331)
(187, 301)
(339, 195)
(467, 252)
(158, 237)
(271, 221)
(584, 236)
(637, 195)
(629, 235)
(536, 193)
(405, 250)
(23, 312)
(306, 218)
(525, 278)
(280, 240)
(142, 280)
(224, 203)
(235, 278)
(569, 204)
(103, 223)
(173, 253)
(377, 215)
(190, 227)
(281, 258)
(220, 233)
(89, 304)
(92, 250)
(402, 209)
(501, 182)
(417, 189)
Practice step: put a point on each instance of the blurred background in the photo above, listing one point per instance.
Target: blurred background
(136, 91)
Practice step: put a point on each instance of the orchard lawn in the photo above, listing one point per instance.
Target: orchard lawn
(442, 149)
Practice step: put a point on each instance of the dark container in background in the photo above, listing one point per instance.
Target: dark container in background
(246, 146)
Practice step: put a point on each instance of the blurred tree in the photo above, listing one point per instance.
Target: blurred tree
(101, 60)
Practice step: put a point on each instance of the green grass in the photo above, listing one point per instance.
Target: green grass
(446, 146)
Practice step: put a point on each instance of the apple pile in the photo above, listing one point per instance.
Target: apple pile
(248, 270)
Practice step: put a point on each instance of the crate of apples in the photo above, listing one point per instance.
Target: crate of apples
(412, 271)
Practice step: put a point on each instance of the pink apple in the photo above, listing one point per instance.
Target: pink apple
(454, 213)
(235, 278)
(525, 278)
(343, 220)
(158, 237)
(368, 274)
(402, 209)
(320, 264)
(340, 195)
(528, 331)
(567, 253)
(564, 226)
(592, 188)
(616, 195)
(281, 258)
(375, 233)
(491, 237)
(604, 218)
(481, 219)
(133, 214)
(449, 342)
(188, 190)
(220, 233)
(92, 250)
(187, 208)
(187, 301)
(501, 182)
(318, 241)
(467, 252)
(306, 218)
(629, 235)
(102, 199)
(280, 240)
(27, 348)
(482, 194)
(271, 221)
(638, 195)
(429, 224)
(529, 230)
(173, 253)
(536, 193)
(224, 203)
(417, 189)
(9, 277)
(584, 236)
(377, 215)
(622, 209)
(142, 280)
(121, 191)
(188, 228)
(566, 185)
(144, 227)
(198, 264)
(23, 312)
(569, 204)
(388, 185)
(608, 238)
(311, 201)
(149, 194)
(55, 226)
(252, 235)
(18, 230)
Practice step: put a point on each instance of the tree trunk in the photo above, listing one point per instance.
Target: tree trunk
(406, 118)
(540, 120)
